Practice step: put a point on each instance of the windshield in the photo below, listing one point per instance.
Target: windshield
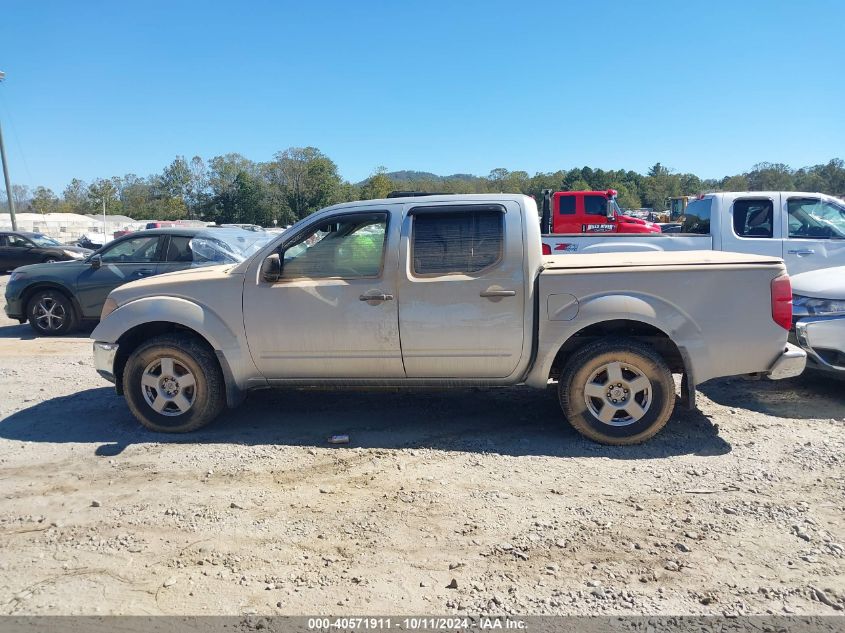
(227, 246)
(43, 240)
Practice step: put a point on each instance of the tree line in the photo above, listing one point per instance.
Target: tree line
(301, 180)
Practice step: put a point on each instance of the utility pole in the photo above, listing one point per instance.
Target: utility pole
(6, 174)
(104, 218)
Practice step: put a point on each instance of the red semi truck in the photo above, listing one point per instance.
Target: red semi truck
(588, 212)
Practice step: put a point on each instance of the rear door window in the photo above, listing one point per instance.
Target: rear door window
(179, 249)
(456, 242)
(753, 218)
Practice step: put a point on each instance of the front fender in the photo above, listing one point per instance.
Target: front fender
(175, 310)
(228, 344)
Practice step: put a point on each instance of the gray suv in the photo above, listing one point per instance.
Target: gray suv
(55, 298)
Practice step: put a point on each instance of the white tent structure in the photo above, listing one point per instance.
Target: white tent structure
(66, 227)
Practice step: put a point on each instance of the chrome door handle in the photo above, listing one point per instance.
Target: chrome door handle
(381, 297)
(802, 251)
(498, 293)
(144, 271)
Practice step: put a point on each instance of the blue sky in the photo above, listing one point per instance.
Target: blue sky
(108, 88)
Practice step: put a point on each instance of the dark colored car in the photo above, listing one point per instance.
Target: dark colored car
(19, 248)
(55, 298)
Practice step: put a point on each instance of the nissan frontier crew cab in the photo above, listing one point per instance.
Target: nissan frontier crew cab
(446, 291)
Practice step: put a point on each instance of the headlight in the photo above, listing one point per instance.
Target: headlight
(15, 276)
(108, 307)
(818, 307)
(74, 254)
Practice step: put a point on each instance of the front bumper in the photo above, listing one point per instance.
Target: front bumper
(823, 338)
(14, 308)
(789, 364)
(104, 354)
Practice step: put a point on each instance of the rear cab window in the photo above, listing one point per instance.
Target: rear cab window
(566, 205)
(753, 218)
(697, 217)
(462, 240)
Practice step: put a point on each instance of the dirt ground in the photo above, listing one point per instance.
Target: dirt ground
(443, 502)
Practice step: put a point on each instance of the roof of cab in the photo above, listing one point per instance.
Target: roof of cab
(422, 201)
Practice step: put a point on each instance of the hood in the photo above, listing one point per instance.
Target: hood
(47, 269)
(825, 283)
(174, 284)
(632, 220)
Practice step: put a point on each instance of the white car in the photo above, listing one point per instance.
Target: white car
(819, 317)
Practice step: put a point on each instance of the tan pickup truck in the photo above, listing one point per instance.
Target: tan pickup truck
(446, 291)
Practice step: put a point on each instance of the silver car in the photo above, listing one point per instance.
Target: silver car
(819, 318)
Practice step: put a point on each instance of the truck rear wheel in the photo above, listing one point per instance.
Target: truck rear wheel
(173, 384)
(617, 392)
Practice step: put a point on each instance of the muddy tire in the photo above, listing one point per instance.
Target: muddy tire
(173, 384)
(617, 392)
(51, 313)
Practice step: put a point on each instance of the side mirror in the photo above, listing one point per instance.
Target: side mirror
(271, 268)
(611, 211)
(96, 261)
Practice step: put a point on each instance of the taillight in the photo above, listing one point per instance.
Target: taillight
(547, 250)
(782, 301)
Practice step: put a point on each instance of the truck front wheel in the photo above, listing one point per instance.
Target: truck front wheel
(173, 384)
(617, 392)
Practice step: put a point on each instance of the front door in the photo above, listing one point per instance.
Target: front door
(123, 261)
(815, 234)
(462, 293)
(751, 226)
(595, 215)
(333, 313)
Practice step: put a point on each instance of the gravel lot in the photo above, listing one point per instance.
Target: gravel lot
(462, 501)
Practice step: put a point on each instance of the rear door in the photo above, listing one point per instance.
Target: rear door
(461, 296)
(749, 226)
(815, 229)
(122, 261)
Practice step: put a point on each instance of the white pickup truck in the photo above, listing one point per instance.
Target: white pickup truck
(807, 230)
(446, 291)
